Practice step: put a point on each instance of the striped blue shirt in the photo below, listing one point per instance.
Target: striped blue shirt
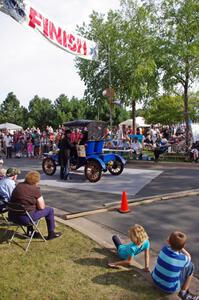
(166, 273)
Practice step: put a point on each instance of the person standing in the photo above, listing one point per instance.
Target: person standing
(8, 144)
(65, 147)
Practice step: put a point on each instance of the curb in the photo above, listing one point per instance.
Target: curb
(132, 202)
(150, 199)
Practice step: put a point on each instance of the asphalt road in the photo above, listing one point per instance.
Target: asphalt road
(159, 218)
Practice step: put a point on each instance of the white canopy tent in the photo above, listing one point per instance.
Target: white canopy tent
(10, 126)
(139, 121)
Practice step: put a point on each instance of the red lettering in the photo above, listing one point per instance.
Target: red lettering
(79, 46)
(65, 38)
(53, 32)
(33, 18)
(85, 48)
(72, 46)
(45, 26)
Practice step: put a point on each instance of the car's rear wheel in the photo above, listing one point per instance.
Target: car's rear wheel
(93, 170)
(48, 166)
(115, 167)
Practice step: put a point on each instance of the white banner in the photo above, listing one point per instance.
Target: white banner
(24, 13)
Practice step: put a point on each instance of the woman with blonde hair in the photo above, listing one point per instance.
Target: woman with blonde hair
(139, 242)
(28, 194)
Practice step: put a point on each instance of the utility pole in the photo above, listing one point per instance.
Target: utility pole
(109, 92)
(110, 88)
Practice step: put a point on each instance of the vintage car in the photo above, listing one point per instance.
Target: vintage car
(89, 154)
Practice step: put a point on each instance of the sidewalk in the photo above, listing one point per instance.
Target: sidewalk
(103, 236)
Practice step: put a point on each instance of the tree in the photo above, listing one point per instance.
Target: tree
(179, 48)
(125, 55)
(62, 108)
(78, 108)
(96, 74)
(194, 107)
(138, 74)
(11, 111)
(41, 112)
(166, 110)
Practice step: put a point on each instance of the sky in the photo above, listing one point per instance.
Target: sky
(30, 65)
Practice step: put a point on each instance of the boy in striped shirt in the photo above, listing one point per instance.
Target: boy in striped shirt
(174, 270)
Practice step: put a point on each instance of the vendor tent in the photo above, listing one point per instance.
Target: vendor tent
(140, 122)
(10, 126)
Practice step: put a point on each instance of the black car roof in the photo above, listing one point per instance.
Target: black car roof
(82, 123)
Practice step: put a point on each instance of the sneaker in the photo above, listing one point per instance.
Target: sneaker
(54, 235)
(188, 296)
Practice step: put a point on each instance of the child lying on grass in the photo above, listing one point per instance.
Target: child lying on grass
(139, 242)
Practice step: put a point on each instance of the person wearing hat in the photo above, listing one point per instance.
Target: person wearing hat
(7, 184)
(65, 147)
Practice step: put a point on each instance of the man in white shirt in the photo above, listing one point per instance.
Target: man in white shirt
(136, 147)
(8, 144)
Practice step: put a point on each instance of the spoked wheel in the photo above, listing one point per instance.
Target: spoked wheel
(93, 170)
(48, 166)
(115, 167)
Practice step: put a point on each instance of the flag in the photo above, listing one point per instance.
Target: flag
(24, 13)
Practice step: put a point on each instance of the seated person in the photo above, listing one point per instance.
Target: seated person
(161, 146)
(139, 241)
(148, 143)
(84, 138)
(28, 194)
(195, 151)
(7, 185)
(136, 147)
(2, 173)
(173, 271)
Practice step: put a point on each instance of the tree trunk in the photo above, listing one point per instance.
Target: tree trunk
(133, 116)
(186, 114)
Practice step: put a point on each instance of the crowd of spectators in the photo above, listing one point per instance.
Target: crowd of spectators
(158, 139)
(30, 143)
(33, 142)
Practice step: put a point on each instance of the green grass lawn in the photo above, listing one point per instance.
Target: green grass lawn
(72, 267)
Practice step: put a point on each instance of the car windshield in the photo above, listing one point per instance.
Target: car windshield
(96, 129)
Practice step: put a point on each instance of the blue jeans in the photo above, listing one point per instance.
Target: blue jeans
(116, 241)
(47, 213)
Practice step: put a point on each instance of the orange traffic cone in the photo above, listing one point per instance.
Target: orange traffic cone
(124, 204)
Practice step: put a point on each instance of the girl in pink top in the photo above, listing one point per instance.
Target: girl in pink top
(30, 149)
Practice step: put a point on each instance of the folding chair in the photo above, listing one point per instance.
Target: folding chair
(3, 209)
(16, 209)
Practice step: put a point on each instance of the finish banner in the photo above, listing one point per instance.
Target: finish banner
(24, 13)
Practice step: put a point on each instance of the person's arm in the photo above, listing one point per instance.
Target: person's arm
(185, 252)
(146, 260)
(41, 203)
(123, 263)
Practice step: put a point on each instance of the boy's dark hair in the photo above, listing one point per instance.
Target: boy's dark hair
(177, 240)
